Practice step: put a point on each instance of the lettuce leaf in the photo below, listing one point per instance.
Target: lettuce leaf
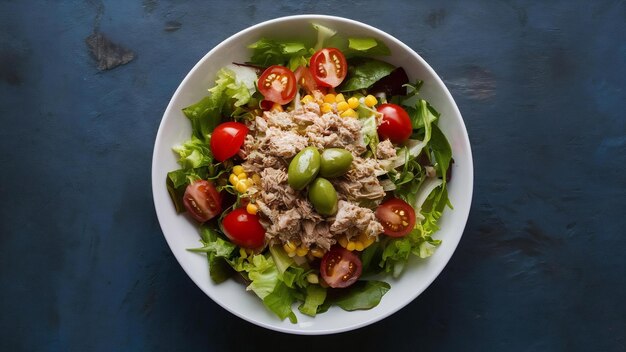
(364, 73)
(279, 301)
(268, 52)
(397, 250)
(194, 153)
(315, 297)
(218, 250)
(361, 295)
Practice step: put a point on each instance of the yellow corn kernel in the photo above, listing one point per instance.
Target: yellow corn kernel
(342, 106)
(252, 208)
(358, 245)
(343, 242)
(312, 278)
(233, 179)
(353, 103)
(241, 187)
(326, 107)
(276, 107)
(306, 99)
(351, 246)
(290, 247)
(238, 169)
(339, 98)
(370, 101)
(256, 178)
(242, 176)
(243, 253)
(349, 113)
(367, 241)
(329, 98)
(301, 251)
(249, 182)
(317, 252)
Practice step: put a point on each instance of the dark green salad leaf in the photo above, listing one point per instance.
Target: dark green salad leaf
(361, 295)
(364, 73)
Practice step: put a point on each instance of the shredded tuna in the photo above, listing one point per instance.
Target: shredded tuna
(286, 214)
(385, 150)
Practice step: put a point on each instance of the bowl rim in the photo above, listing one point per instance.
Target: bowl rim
(312, 17)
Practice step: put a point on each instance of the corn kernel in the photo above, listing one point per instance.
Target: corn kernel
(301, 251)
(326, 107)
(233, 179)
(339, 98)
(349, 113)
(353, 103)
(329, 98)
(342, 106)
(256, 178)
(317, 252)
(307, 99)
(238, 169)
(370, 101)
(242, 176)
(368, 242)
(351, 246)
(241, 187)
(290, 246)
(312, 278)
(252, 208)
(276, 107)
(359, 246)
(343, 242)
(249, 182)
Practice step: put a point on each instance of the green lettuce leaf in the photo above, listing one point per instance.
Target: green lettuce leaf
(268, 52)
(315, 297)
(397, 251)
(194, 153)
(363, 73)
(366, 46)
(218, 250)
(279, 301)
(361, 295)
(264, 275)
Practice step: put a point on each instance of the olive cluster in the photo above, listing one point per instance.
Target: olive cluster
(305, 167)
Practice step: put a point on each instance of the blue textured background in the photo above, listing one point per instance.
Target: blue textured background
(541, 266)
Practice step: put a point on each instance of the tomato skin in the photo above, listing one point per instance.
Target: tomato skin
(329, 67)
(202, 200)
(244, 229)
(278, 84)
(305, 79)
(396, 124)
(227, 139)
(340, 267)
(393, 214)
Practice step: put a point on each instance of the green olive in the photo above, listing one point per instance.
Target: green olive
(335, 162)
(323, 196)
(303, 168)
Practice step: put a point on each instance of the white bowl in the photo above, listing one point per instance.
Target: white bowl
(181, 233)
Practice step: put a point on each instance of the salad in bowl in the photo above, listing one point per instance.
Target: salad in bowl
(315, 171)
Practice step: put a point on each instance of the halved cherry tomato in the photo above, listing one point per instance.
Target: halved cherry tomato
(305, 79)
(227, 139)
(278, 84)
(243, 229)
(396, 216)
(340, 267)
(396, 124)
(202, 200)
(329, 67)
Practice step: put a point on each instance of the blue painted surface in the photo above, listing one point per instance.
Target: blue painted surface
(84, 266)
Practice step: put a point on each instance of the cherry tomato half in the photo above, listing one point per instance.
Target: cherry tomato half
(278, 84)
(227, 139)
(329, 67)
(202, 200)
(340, 267)
(305, 79)
(243, 229)
(396, 124)
(396, 216)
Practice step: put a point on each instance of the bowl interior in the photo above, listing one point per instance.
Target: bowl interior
(181, 233)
